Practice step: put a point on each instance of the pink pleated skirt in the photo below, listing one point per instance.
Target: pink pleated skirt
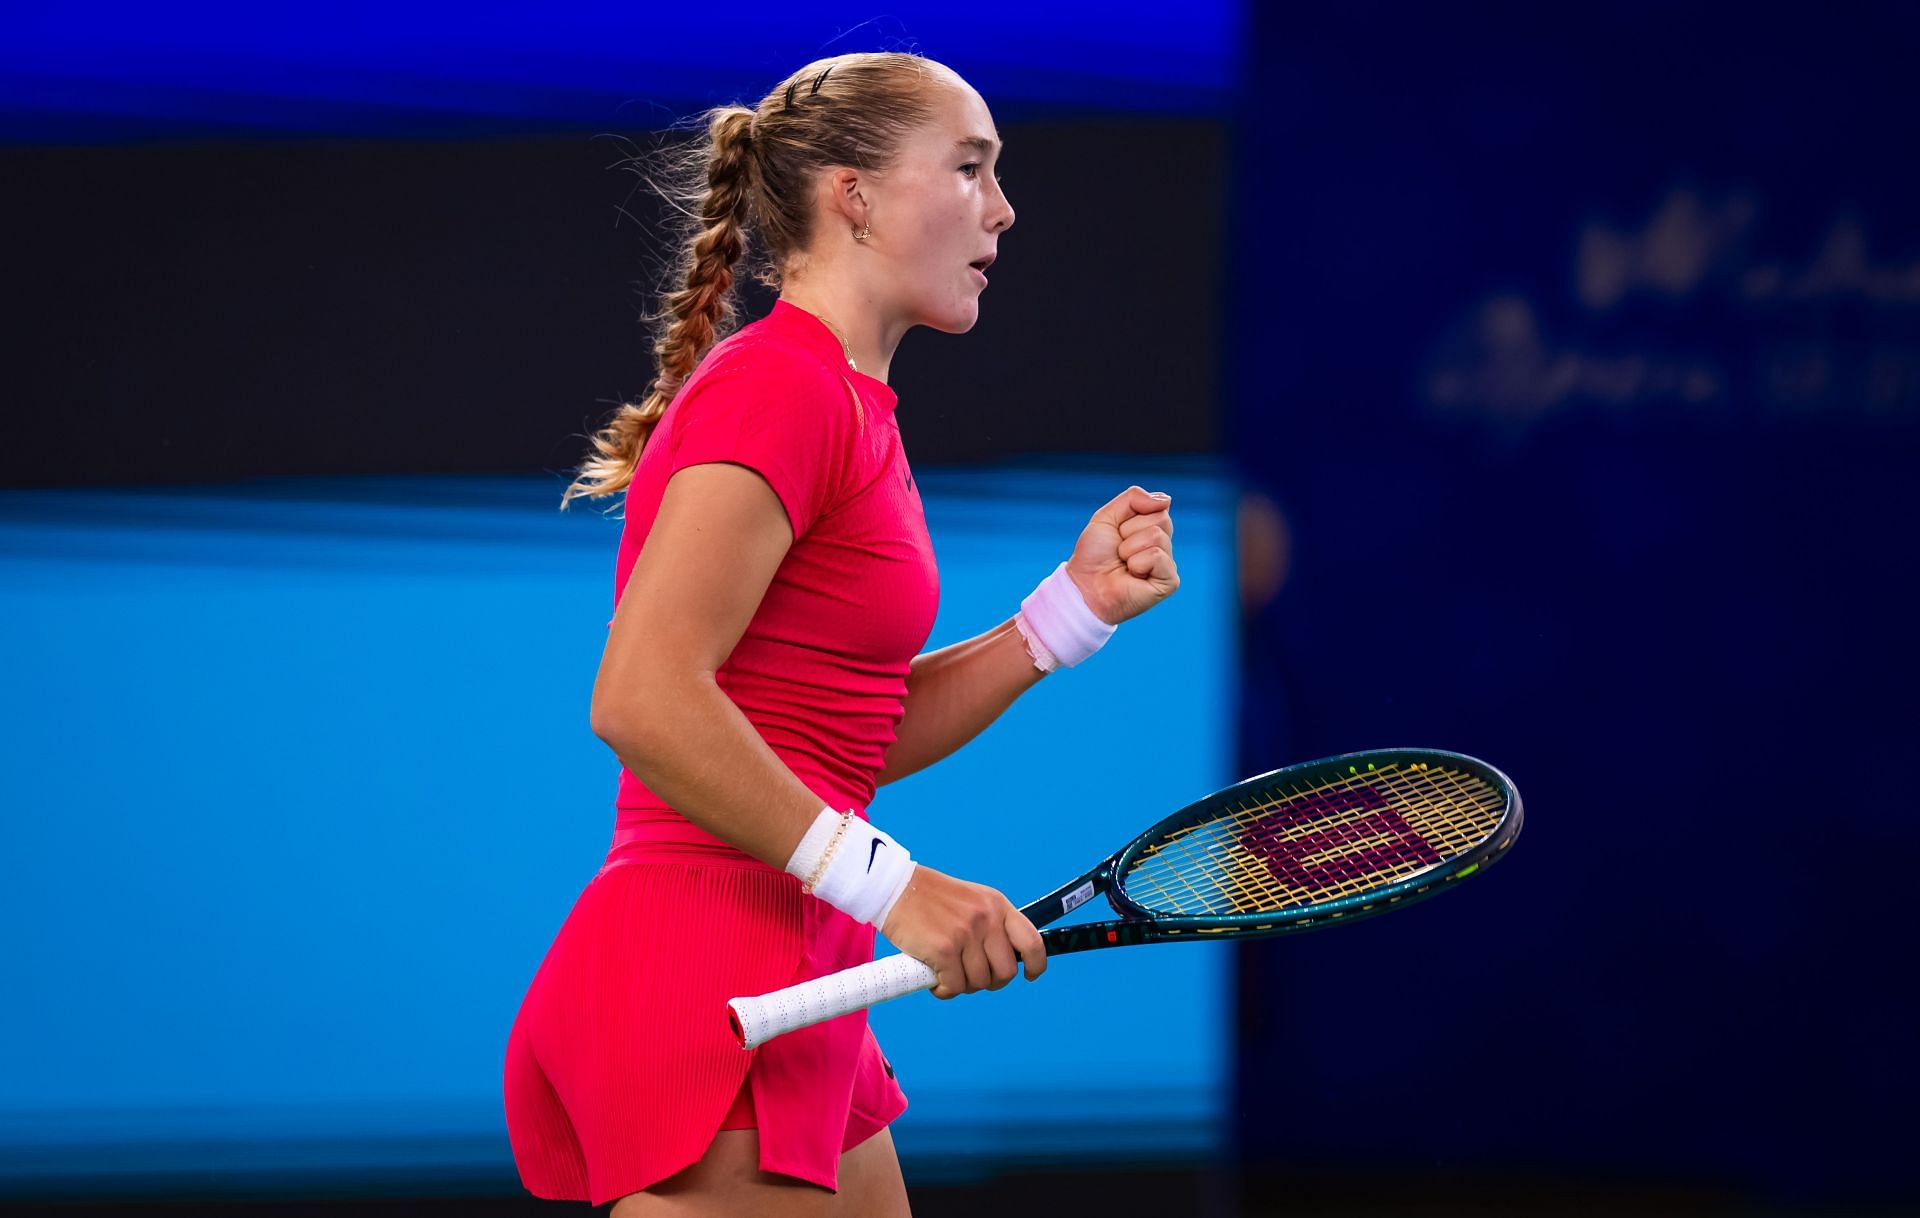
(620, 1067)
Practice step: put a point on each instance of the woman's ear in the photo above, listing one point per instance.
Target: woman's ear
(847, 197)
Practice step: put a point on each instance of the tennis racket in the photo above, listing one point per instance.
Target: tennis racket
(1304, 847)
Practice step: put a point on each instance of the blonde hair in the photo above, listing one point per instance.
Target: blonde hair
(752, 178)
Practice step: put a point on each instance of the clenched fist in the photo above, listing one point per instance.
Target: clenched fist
(1123, 562)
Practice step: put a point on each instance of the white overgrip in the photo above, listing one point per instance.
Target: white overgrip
(757, 1020)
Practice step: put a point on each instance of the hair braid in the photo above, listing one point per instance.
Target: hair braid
(696, 315)
(754, 174)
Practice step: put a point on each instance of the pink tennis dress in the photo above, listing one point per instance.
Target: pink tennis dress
(620, 1066)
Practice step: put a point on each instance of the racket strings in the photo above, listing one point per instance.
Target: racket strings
(1373, 838)
(1350, 836)
(1315, 842)
(1305, 845)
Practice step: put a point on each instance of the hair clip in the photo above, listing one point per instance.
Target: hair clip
(820, 81)
(790, 89)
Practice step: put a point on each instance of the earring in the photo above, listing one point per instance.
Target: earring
(863, 236)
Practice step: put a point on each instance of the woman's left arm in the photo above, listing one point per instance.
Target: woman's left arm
(1122, 565)
(953, 693)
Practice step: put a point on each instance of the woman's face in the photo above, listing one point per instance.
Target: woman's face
(940, 210)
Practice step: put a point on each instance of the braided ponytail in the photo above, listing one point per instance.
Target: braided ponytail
(754, 174)
(693, 318)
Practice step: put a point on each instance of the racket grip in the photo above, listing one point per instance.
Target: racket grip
(757, 1020)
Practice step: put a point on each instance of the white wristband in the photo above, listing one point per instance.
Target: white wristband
(852, 866)
(1057, 625)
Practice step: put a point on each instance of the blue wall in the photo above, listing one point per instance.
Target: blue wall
(298, 785)
(72, 73)
(1581, 349)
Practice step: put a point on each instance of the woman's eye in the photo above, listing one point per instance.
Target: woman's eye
(969, 167)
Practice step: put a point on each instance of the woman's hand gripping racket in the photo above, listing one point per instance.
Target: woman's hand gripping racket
(1311, 845)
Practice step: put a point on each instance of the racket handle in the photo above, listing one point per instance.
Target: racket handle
(757, 1020)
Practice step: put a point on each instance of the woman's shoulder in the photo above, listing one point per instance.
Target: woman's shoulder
(773, 378)
(758, 352)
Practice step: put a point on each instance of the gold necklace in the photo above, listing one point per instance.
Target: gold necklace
(844, 347)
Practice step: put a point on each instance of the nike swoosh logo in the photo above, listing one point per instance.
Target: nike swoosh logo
(873, 853)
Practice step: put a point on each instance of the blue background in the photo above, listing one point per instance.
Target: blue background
(301, 785)
(84, 72)
(1581, 349)
(1572, 363)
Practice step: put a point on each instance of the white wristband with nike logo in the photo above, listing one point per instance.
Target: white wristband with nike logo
(852, 866)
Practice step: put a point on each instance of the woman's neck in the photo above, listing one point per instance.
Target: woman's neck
(868, 339)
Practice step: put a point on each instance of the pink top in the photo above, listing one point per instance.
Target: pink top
(821, 671)
(620, 1065)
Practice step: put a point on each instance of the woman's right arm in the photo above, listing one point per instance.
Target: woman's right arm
(715, 544)
(712, 552)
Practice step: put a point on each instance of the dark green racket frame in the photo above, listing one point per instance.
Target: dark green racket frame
(1138, 924)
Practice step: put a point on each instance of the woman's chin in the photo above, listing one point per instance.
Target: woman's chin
(957, 320)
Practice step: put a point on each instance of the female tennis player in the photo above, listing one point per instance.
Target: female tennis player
(774, 584)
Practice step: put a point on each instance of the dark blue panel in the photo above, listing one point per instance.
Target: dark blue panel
(1581, 351)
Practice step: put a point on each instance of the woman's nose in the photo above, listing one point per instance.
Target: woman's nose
(1005, 220)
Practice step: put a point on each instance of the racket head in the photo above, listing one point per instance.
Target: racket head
(1336, 839)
